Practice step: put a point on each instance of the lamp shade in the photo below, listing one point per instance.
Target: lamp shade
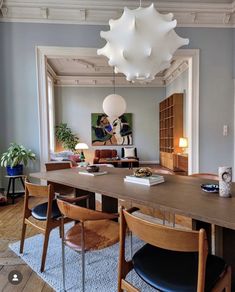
(114, 105)
(81, 146)
(141, 43)
(183, 142)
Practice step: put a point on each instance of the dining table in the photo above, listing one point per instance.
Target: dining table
(177, 194)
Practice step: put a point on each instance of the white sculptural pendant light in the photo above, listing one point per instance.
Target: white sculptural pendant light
(141, 43)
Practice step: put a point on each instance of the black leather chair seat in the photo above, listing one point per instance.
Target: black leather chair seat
(40, 211)
(170, 271)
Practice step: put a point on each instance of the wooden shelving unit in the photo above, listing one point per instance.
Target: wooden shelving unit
(170, 128)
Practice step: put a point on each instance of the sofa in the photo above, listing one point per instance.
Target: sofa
(104, 154)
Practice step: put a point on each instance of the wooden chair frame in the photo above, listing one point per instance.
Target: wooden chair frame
(32, 190)
(59, 188)
(167, 238)
(82, 215)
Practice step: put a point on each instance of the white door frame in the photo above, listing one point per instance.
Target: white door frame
(42, 53)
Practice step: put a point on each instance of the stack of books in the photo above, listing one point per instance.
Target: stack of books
(85, 172)
(148, 181)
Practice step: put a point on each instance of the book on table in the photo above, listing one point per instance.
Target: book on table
(85, 172)
(151, 180)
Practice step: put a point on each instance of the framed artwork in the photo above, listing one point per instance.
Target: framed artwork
(107, 131)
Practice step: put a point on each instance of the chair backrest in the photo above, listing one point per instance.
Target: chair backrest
(35, 190)
(57, 165)
(80, 213)
(161, 235)
(123, 152)
(105, 153)
(206, 175)
(169, 238)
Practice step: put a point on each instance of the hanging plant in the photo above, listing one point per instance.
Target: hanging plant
(65, 136)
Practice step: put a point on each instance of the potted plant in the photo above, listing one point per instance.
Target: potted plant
(14, 158)
(65, 136)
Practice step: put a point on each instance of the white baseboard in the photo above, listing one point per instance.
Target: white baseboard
(149, 162)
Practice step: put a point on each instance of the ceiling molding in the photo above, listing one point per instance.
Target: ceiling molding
(188, 14)
(91, 80)
(103, 81)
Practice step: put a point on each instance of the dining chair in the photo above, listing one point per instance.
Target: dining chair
(95, 230)
(47, 212)
(59, 188)
(171, 260)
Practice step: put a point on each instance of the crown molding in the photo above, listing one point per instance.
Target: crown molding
(192, 14)
(103, 81)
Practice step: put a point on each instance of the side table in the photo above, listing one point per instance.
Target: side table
(11, 185)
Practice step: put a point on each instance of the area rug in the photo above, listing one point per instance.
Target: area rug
(101, 266)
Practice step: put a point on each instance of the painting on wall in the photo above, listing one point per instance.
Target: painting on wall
(107, 131)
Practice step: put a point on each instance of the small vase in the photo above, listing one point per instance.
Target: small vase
(225, 181)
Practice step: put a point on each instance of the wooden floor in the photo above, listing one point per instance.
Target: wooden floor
(10, 231)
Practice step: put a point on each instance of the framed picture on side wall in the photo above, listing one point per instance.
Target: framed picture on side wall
(107, 131)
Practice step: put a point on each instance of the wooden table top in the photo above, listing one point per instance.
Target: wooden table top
(178, 194)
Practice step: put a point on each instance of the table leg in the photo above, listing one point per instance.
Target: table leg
(109, 205)
(9, 187)
(80, 193)
(13, 191)
(225, 243)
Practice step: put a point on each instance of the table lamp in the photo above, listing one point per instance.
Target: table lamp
(183, 143)
(81, 146)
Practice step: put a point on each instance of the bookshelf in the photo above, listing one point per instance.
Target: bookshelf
(170, 128)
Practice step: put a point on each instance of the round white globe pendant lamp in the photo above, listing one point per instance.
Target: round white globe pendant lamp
(141, 43)
(114, 105)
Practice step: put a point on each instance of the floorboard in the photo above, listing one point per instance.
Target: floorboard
(10, 231)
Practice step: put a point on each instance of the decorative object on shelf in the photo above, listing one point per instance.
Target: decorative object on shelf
(81, 146)
(108, 131)
(142, 172)
(14, 158)
(114, 105)
(183, 143)
(65, 136)
(225, 181)
(92, 168)
(210, 188)
(141, 43)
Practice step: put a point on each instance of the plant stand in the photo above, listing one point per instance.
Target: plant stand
(11, 184)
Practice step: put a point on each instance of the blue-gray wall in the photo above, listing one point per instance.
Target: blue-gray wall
(18, 94)
(74, 105)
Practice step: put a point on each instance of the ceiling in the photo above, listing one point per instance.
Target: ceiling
(190, 13)
(95, 71)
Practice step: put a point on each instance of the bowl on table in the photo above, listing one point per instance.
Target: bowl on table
(92, 168)
(210, 188)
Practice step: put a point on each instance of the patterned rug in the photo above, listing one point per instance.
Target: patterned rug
(101, 266)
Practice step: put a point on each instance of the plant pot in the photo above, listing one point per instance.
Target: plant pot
(15, 170)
